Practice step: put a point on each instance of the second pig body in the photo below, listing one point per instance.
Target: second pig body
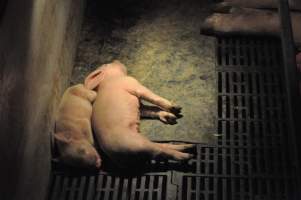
(73, 132)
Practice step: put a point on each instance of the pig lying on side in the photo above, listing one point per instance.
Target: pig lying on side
(247, 21)
(116, 117)
(73, 132)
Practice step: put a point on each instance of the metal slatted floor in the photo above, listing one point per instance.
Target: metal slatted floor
(253, 157)
(104, 186)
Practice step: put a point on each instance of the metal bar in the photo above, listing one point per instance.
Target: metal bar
(57, 187)
(291, 78)
(73, 189)
(91, 188)
(107, 188)
(125, 187)
(116, 188)
(81, 188)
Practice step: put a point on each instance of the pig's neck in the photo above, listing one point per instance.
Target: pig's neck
(113, 74)
(109, 77)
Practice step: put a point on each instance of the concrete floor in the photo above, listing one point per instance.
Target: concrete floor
(159, 42)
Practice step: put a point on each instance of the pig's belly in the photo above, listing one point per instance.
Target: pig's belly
(116, 112)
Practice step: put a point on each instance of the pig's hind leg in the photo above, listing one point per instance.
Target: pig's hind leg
(140, 145)
(178, 147)
(172, 152)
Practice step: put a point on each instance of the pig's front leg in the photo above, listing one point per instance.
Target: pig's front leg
(153, 112)
(144, 93)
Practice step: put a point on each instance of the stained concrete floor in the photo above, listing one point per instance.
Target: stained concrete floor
(160, 44)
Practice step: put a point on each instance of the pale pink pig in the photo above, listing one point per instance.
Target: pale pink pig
(249, 21)
(73, 132)
(116, 117)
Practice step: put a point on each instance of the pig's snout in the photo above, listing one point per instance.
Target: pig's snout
(96, 159)
(92, 158)
(80, 154)
(98, 162)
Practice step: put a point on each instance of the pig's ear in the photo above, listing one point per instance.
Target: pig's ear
(94, 79)
(63, 137)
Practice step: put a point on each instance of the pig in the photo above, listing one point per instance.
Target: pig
(116, 117)
(246, 21)
(73, 132)
(293, 4)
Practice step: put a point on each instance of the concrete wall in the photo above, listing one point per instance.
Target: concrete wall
(37, 48)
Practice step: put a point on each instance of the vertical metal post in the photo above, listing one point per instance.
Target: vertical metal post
(291, 79)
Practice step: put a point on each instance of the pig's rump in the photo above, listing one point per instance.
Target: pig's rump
(125, 146)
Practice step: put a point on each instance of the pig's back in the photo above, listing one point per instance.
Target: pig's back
(74, 105)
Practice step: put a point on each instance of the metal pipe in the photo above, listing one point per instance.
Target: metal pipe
(291, 81)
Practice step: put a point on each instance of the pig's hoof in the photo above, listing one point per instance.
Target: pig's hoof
(167, 118)
(190, 156)
(175, 109)
(179, 115)
(187, 157)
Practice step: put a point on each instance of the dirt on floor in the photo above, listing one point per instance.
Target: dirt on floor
(160, 44)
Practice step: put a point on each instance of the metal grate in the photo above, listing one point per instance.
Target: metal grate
(253, 158)
(236, 188)
(252, 108)
(107, 187)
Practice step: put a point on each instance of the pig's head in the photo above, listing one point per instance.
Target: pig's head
(76, 152)
(103, 72)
